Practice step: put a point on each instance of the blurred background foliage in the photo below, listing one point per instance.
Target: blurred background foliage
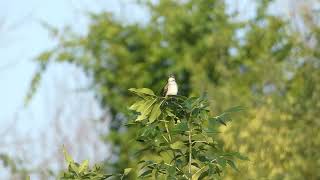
(263, 63)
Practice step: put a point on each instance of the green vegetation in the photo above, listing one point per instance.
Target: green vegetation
(260, 63)
(82, 171)
(178, 137)
(178, 140)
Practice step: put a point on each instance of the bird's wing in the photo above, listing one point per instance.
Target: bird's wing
(165, 89)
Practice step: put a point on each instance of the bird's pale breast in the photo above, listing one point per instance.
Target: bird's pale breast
(172, 88)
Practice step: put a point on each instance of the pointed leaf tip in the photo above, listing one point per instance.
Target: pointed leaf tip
(84, 166)
(67, 157)
(127, 171)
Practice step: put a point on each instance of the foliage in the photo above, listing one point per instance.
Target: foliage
(82, 171)
(261, 63)
(180, 131)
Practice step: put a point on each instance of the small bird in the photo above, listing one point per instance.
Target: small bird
(171, 87)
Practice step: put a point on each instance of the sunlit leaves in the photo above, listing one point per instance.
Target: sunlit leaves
(148, 106)
(82, 171)
(142, 92)
(137, 106)
(178, 145)
(199, 173)
(175, 129)
(146, 109)
(127, 171)
(155, 113)
(84, 166)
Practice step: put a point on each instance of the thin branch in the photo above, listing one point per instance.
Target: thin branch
(190, 149)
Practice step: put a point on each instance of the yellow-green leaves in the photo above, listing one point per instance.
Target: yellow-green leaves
(148, 106)
(67, 157)
(127, 171)
(198, 173)
(145, 109)
(84, 166)
(142, 92)
(137, 105)
(82, 171)
(156, 112)
(188, 149)
(180, 137)
(177, 145)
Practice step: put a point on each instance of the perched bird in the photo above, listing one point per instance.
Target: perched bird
(171, 87)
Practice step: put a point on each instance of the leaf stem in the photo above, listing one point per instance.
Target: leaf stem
(166, 125)
(173, 151)
(190, 149)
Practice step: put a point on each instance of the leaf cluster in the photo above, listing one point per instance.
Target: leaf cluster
(181, 132)
(82, 171)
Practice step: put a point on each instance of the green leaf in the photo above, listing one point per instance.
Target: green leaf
(127, 171)
(232, 164)
(171, 170)
(146, 109)
(195, 164)
(240, 156)
(221, 119)
(84, 166)
(141, 117)
(222, 162)
(177, 145)
(67, 157)
(169, 113)
(189, 103)
(155, 113)
(144, 105)
(146, 173)
(136, 105)
(181, 127)
(198, 173)
(142, 91)
(210, 169)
